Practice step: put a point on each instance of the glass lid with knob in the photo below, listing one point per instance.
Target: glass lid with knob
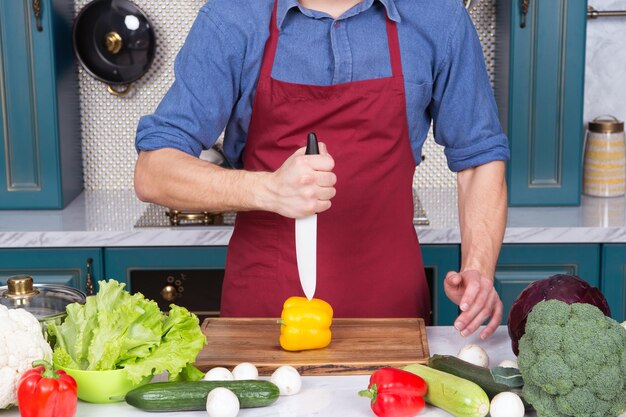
(44, 301)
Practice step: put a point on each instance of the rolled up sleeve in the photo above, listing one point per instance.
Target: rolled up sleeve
(463, 107)
(196, 108)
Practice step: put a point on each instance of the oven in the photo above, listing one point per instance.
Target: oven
(190, 277)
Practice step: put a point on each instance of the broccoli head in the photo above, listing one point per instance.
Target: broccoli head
(573, 361)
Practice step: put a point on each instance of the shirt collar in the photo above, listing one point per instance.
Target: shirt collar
(285, 5)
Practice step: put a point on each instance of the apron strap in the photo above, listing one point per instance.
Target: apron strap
(394, 48)
(270, 46)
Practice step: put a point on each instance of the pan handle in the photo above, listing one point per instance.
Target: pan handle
(37, 14)
(119, 92)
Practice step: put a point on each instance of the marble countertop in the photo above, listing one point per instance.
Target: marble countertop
(108, 219)
(331, 396)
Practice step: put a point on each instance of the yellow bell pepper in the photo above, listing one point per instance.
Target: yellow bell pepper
(305, 324)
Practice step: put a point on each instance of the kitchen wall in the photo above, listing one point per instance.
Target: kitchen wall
(109, 123)
(605, 78)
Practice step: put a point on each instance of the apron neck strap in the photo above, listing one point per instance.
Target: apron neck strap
(394, 47)
(271, 44)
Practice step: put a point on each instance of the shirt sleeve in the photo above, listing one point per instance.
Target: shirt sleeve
(195, 110)
(463, 107)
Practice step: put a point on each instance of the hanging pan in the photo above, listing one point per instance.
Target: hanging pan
(115, 43)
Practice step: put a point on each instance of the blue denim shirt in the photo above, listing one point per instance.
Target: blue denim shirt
(217, 69)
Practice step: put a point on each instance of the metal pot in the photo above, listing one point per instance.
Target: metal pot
(47, 302)
(115, 42)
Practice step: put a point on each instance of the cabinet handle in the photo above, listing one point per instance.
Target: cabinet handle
(524, 4)
(89, 280)
(37, 13)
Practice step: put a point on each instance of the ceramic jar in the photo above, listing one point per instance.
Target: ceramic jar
(604, 169)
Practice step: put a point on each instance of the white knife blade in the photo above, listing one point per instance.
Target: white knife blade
(306, 253)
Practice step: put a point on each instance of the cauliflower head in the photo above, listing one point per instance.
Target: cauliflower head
(573, 361)
(21, 343)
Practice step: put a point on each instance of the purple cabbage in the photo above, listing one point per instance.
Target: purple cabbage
(567, 288)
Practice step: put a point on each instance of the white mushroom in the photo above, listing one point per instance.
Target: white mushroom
(474, 354)
(508, 364)
(506, 404)
(245, 370)
(218, 374)
(287, 379)
(222, 402)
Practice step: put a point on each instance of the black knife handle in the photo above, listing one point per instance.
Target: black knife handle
(311, 145)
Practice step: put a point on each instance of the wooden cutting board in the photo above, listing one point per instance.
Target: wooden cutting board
(358, 346)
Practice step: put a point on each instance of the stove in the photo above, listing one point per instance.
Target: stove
(159, 216)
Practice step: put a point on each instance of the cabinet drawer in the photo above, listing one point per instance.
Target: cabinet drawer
(519, 265)
(52, 266)
(614, 279)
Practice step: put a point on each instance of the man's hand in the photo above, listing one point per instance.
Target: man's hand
(482, 220)
(477, 299)
(303, 185)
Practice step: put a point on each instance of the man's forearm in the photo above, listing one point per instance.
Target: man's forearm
(171, 178)
(482, 216)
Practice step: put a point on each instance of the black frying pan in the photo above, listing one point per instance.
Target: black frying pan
(114, 41)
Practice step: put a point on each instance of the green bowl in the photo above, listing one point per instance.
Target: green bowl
(103, 387)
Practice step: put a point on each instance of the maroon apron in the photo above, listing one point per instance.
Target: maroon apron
(369, 262)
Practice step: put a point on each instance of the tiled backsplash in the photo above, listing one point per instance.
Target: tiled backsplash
(109, 122)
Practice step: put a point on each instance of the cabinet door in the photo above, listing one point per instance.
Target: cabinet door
(188, 276)
(539, 89)
(40, 153)
(614, 279)
(438, 260)
(519, 265)
(52, 266)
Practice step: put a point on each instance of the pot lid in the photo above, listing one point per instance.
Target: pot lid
(114, 41)
(44, 301)
(606, 124)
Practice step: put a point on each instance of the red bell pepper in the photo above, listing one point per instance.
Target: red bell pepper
(395, 393)
(42, 392)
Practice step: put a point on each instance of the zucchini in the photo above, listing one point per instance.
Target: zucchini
(192, 395)
(457, 396)
(477, 374)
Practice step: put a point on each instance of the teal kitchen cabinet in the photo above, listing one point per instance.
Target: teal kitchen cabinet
(188, 276)
(40, 149)
(614, 279)
(539, 89)
(519, 265)
(438, 260)
(71, 266)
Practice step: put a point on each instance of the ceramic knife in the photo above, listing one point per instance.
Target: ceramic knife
(306, 239)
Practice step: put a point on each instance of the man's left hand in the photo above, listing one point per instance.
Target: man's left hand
(477, 299)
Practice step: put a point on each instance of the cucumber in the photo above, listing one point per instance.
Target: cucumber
(192, 395)
(457, 396)
(477, 374)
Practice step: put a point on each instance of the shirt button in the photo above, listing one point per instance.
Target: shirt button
(337, 24)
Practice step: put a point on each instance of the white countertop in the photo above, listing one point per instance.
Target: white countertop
(330, 396)
(108, 218)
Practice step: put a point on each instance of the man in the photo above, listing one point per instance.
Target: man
(367, 77)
